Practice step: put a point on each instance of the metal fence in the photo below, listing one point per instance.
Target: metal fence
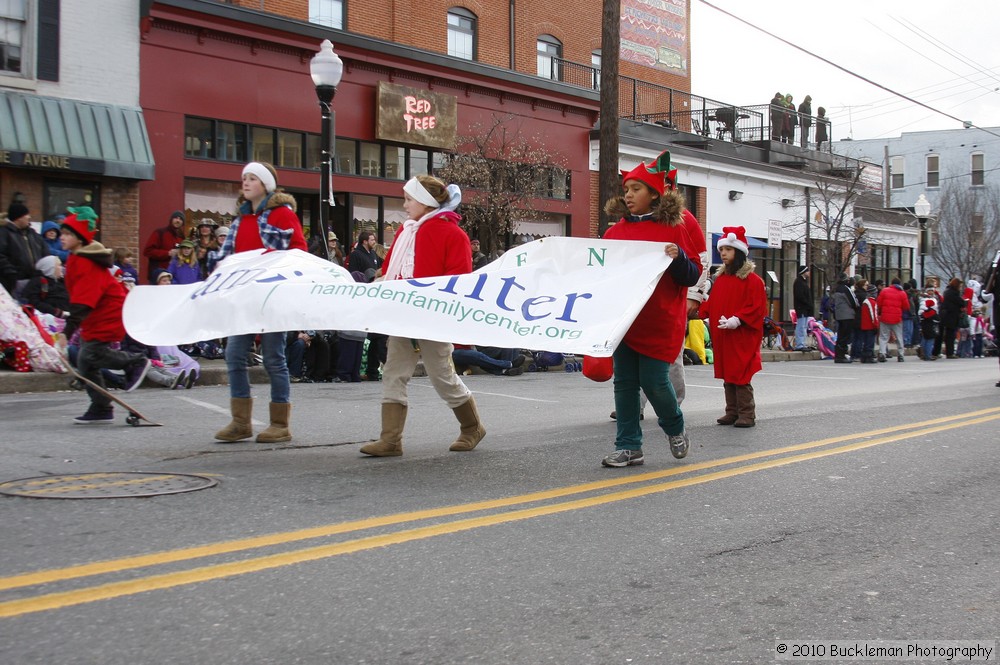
(649, 102)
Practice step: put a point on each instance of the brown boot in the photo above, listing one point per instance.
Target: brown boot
(731, 413)
(239, 428)
(390, 441)
(745, 406)
(277, 431)
(472, 431)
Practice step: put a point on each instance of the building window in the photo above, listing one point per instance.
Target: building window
(371, 159)
(977, 169)
(595, 62)
(263, 144)
(346, 157)
(13, 35)
(896, 172)
(418, 163)
(327, 12)
(549, 54)
(933, 171)
(462, 33)
(290, 149)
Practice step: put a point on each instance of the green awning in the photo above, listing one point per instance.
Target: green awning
(67, 135)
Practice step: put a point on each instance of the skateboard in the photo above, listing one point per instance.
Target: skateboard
(134, 418)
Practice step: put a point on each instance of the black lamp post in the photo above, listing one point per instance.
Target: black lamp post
(326, 69)
(922, 209)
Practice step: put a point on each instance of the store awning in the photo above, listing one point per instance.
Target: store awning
(65, 135)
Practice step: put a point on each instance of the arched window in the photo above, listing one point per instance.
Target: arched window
(462, 27)
(327, 12)
(595, 62)
(549, 57)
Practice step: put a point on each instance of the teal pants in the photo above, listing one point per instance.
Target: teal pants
(635, 371)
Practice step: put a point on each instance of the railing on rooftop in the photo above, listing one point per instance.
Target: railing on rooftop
(649, 102)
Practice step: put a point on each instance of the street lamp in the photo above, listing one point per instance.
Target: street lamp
(326, 69)
(922, 208)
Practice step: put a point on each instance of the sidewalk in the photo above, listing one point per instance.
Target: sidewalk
(213, 373)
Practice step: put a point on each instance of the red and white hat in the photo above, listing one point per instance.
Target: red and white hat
(735, 237)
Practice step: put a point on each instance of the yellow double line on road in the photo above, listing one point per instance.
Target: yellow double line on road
(781, 457)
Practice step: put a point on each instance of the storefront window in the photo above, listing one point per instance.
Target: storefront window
(418, 162)
(198, 138)
(314, 152)
(346, 157)
(290, 149)
(395, 163)
(62, 195)
(371, 159)
(231, 142)
(263, 144)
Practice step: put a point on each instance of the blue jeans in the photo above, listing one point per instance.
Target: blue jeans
(864, 345)
(908, 329)
(927, 343)
(479, 359)
(801, 328)
(633, 371)
(272, 348)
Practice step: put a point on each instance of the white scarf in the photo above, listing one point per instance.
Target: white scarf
(404, 247)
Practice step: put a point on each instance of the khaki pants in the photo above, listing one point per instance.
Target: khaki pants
(402, 360)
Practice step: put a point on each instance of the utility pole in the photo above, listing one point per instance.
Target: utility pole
(609, 174)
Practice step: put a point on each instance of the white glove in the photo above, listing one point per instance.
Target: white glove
(732, 323)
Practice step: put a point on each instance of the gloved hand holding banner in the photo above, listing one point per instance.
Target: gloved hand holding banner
(568, 295)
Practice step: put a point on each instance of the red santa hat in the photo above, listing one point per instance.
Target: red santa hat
(657, 175)
(735, 237)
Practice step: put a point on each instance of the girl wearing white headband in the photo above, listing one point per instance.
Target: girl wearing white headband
(430, 244)
(266, 220)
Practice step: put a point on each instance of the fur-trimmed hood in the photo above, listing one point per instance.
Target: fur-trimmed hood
(278, 198)
(669, 208)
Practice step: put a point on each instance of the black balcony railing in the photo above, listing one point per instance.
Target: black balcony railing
(649, 102)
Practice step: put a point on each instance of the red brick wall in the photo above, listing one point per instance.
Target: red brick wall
(423, 24)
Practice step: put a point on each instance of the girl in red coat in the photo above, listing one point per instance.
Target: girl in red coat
(430, 244)
(736, 307)
(643, 358)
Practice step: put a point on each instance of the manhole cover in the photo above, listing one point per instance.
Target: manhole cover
(110, 485)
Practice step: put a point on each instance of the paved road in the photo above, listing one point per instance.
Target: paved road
(864, 505)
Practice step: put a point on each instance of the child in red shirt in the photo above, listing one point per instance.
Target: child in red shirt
(652, 212)
(95, 305)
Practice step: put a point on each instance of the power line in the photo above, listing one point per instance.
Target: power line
(964, 123)
(955, 53)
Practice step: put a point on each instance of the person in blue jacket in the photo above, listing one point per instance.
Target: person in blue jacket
(50, 231)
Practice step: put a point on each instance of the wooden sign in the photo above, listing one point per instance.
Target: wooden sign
(419, 117)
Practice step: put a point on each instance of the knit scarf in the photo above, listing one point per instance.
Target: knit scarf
(404, 248)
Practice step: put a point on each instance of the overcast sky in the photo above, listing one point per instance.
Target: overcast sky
(943, 53)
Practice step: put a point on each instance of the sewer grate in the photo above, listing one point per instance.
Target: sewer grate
(108, 485)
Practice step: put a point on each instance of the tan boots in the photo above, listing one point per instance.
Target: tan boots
(390, 441)
(277, 431)
(746, 407)
(472, 430)
(240, 428)
(731, 412)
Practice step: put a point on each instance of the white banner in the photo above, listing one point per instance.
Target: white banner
(568, 295)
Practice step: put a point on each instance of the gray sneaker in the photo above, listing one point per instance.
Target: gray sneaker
(678, 445)
(623, 457)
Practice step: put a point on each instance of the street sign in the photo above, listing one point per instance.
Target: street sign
(774, 233)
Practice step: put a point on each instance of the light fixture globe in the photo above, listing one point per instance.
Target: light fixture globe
(922, 208)
(326, 67)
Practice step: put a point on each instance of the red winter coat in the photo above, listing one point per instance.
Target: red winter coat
(92, 284)
(441, 247)
(892, 302)
(658, 331)
(869, 314)
(158, 247)
(737, 351)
